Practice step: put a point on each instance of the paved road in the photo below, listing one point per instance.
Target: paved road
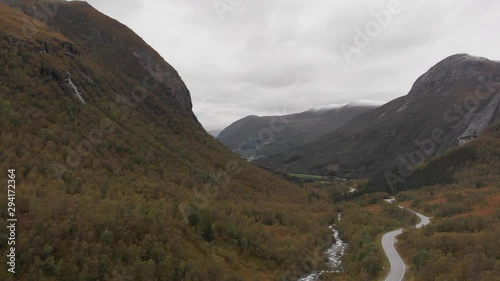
(398, 267)
(423, 219)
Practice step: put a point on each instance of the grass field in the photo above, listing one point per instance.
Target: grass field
(305, 176)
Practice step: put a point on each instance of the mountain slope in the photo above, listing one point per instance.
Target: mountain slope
(116, 179)
(450, 104)
(464, 206)
(255, 136)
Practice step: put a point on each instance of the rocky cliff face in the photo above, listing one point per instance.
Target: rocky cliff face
(452, 69)
(476, 122)
(113, 44)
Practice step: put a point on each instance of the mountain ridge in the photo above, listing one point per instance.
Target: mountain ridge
(444, 105)
(255, 136)
(452, 68)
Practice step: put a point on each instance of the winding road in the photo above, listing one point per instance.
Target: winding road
(398, 267)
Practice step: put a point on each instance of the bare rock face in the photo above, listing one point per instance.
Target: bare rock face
(112, 44)
(452, 69)
(167, 77)
(477, 122)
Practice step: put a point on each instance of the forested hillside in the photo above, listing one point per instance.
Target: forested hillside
(115, 178)
(461, 243)
(460, 190)
(443, 169)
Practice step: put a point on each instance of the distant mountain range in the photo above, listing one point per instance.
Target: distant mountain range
(214, 133)
(256, 137)
(449, 105)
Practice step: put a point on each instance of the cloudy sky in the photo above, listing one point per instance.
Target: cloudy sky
(262, 57)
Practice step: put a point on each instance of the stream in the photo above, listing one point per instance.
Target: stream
(334, 254)
(75, 89)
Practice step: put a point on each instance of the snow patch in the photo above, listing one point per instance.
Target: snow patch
(405, 106)
(402, 108)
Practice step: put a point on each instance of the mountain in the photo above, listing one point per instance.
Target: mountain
(215, 133)
(114, 177)
(449, 105)
(256, 137)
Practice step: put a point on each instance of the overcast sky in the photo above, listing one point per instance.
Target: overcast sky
(263, 57)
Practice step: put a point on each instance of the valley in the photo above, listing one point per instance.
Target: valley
(117, 176)
(128, 185)
(461, 240)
